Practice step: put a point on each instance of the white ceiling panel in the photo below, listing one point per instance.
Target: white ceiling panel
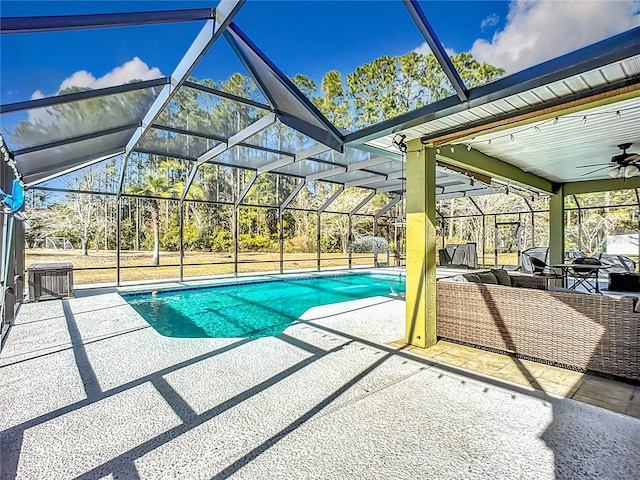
(559, 151)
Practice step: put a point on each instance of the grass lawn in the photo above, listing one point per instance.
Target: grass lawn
(100, 266)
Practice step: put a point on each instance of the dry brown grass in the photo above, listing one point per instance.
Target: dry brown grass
(100, 266)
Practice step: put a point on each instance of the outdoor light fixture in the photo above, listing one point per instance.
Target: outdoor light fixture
(631, 171)
(398, 141)
(627, 171)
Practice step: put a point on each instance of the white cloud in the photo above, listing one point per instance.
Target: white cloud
(490, 22)
(537, 31)
(134, 69)
(425, 50)
(39, 114)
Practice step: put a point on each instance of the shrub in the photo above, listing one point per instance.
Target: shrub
(369, 244)
(300, 245)
(221, 241)
(255, 243)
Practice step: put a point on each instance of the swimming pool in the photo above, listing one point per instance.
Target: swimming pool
(253, 309)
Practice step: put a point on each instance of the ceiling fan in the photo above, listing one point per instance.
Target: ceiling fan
(625, 164)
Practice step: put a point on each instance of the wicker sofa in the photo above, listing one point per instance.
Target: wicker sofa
(587, 332)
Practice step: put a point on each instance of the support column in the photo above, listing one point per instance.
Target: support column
(349, 239)
(118, 235)
(318, 238)
(421, 245)
(18, 235)
(181, 212)
(556, 227)
(235, 240)
(281, 237)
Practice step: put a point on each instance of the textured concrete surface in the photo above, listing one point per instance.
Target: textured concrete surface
(89, 390)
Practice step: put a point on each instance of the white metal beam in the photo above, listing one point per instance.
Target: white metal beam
(219, 149)
(326, 173)
(395, 175)
(212, 153)
(330, 200)
(293, 194)
(251, 130)
(388, 206)
(75, 167)
(363, 203)
(283, 162)
(317, 150)
(245, 190)
(372, 162)
(366, 181)
(390, 188)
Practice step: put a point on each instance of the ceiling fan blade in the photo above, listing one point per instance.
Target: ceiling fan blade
(635, 157)
(596, 165)
(594, 171)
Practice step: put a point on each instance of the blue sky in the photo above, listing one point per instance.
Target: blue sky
(309, 37)
(300, 37)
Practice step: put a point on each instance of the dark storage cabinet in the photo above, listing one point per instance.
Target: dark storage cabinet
(50, 280)
(624, 282)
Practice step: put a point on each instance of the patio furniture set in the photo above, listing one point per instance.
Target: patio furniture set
(524, 315)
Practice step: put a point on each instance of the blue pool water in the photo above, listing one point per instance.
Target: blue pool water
(253, 309)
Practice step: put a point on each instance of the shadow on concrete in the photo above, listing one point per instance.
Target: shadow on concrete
(123, 465)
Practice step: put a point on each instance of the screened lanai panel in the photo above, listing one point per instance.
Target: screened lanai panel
(42, 64)
(247, 157)
(41, 126)
(270, 189)
(355, 176)
(43, 163)
(354, 45)
(175, 144)
(101, 177)
(282, 137)
(158, 176)
(222, 70)
(349, 199)
(395, 185)
(603, 199)
(392, 166)
(517, 35)
(313, 195)
(570, 202)
(497, 203)
(197, 111)
(350, 155)
(305, 168)
(377, 203)
(220, 183)
(292, 106)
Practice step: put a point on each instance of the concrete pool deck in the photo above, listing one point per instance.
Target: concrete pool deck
(90, 390)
